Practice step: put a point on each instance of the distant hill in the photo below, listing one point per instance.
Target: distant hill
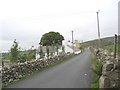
(104, 41)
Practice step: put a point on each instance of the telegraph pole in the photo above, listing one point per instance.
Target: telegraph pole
(98, 28)
(72, 41)
(115, 45)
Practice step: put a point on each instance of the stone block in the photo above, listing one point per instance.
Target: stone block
(104, 82)
(109, 67)
(107, 57)
(114, 84)
(112, 53)
(106, 73)
(114, 75)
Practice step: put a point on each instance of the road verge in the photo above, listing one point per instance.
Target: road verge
(96, 70)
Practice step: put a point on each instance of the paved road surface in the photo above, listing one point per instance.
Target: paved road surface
(74, 73)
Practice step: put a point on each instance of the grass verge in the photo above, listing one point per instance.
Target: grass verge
(97, 72)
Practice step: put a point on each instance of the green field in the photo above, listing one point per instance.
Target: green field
(111, 47)
(23, 55)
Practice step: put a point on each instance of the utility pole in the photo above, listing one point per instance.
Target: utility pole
(98, 28)
(72, 41)
(115, 45)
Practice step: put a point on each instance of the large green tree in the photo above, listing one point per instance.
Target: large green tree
(14, 51)
(51, 38)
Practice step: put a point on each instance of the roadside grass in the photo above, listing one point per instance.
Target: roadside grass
(0, 85)
(39, 71)
(97, 72)
(118, 47)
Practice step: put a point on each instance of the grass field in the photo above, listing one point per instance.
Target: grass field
(111, 47)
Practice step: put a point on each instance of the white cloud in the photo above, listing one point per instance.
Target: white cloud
(28, 20)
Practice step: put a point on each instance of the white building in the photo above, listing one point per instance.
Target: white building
(68, 49)
(53, 50)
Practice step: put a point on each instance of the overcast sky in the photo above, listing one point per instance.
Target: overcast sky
(28, 20)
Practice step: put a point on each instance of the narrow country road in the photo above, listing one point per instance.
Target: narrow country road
(74, 73)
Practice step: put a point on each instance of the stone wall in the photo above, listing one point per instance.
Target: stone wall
(110, 77)
(18, 71)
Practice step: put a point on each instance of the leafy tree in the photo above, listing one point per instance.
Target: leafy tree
(22, 57)
(14, 52)
(51, 38)
(26, 55)
(31, 54)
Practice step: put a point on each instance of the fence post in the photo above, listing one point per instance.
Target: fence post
(115, 45)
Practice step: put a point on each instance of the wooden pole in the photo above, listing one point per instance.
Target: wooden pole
(99, 41)
(73, 41)
(115, 45)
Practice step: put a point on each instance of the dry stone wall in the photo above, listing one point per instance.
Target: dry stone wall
(111, 70)
(18, 71)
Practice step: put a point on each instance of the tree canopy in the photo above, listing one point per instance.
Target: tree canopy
(14, 51)
(51, 38)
